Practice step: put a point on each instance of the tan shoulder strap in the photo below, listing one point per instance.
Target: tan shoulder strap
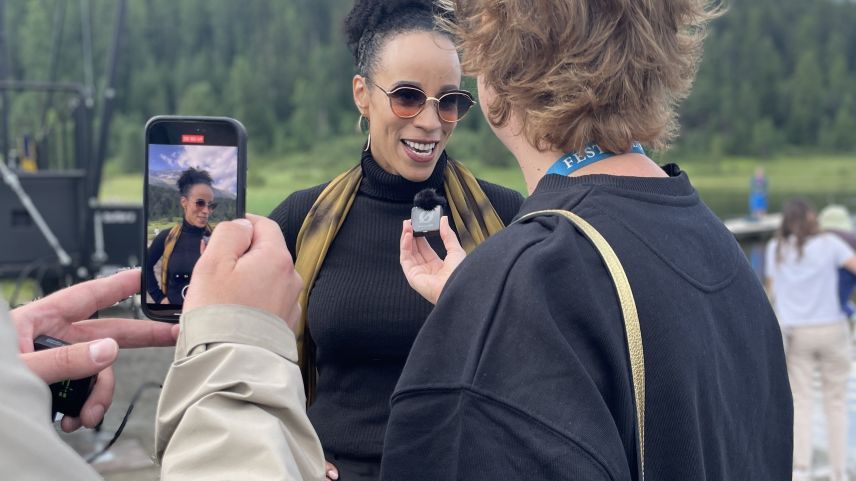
(628, 309)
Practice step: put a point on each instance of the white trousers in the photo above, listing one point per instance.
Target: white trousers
(825, 348)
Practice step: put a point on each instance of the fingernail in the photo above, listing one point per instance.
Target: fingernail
(96, 412)
(244, 223)
(102, 351)
(333, 474)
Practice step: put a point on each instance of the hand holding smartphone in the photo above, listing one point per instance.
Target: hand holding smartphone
(195, 177)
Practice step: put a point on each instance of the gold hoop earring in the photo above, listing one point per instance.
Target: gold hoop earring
(360, 129)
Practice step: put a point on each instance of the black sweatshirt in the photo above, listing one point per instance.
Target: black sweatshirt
(181, 261)
(362, 314)
(522, 371)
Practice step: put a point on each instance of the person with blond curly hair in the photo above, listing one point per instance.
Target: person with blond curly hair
(621, 334)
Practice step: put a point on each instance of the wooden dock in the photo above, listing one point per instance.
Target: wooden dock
(746, 228)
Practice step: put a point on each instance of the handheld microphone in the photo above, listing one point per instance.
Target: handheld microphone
(426, 212)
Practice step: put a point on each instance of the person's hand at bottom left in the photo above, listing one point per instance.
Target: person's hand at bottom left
(94, 344)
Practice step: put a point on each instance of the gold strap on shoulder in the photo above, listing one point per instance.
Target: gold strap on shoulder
(628, 309)
(471, 210)
(319, 228)
(168, 247)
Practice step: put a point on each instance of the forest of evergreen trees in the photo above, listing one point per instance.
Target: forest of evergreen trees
(778, 75)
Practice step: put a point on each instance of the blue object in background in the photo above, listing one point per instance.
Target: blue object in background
(758, 194)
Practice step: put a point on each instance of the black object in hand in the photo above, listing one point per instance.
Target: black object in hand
(69, 396)
(426, 213)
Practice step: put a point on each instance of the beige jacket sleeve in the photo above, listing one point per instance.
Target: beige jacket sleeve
(30, 448)
(232, 406)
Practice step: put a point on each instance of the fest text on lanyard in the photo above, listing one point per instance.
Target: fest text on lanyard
(590, 154)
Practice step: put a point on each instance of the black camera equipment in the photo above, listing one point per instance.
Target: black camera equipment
(49, 214)
(67, 397)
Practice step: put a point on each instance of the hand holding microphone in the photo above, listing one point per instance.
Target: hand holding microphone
(425, 271)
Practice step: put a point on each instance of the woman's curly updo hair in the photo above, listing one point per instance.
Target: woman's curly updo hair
(191, 177)
(580, 71)
(371, 22)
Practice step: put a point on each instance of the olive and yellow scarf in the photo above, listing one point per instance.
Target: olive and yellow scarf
(168, 247)
(472, 214)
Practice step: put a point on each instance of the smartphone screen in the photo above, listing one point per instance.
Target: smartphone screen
(195, 178)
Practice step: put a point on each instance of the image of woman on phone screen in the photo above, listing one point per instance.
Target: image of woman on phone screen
(362, 315)
(174, 251)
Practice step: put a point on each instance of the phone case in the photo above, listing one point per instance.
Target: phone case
(172, 315)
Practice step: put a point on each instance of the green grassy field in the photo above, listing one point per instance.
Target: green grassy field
(723, 184)
(271, 179)
(155, 227)
(26, 292)
(280, 180)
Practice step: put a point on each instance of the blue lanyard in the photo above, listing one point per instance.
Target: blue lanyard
(590, 154)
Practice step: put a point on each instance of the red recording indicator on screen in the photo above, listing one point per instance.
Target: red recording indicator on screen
(192, 139)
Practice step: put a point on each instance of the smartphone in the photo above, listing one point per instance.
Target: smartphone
(195, 177)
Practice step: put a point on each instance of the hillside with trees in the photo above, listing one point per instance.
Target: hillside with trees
(778, 75)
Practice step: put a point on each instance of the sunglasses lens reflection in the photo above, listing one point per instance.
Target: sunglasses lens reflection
(454, 106)
(408, 102)
(200, 203)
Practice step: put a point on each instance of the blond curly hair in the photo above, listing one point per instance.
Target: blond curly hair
(581, 71)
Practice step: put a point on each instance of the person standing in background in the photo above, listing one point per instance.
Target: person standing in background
(802, 272)
(836, 219)
(758, 194)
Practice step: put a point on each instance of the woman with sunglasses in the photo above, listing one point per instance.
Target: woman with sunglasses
(357, 305)
(179, 248)
(622, 336)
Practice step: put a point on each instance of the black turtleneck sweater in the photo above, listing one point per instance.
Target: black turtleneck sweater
(362, 314)
(181, 262)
